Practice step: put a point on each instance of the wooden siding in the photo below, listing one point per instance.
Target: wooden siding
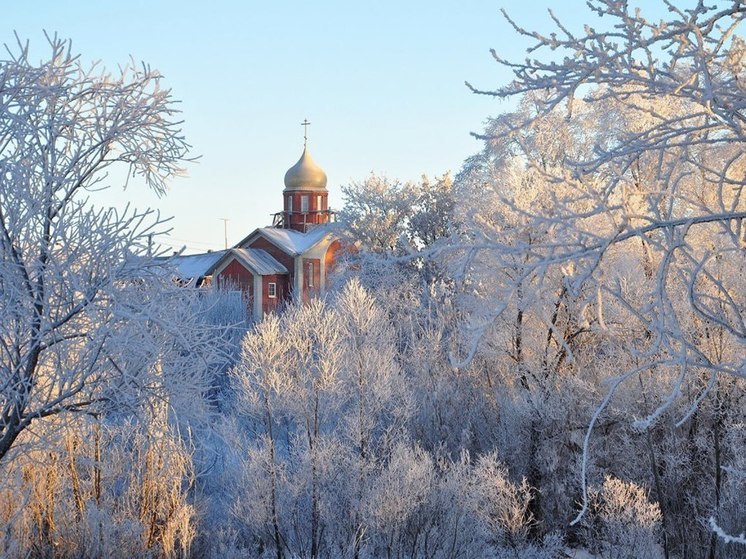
(281, 257)
(270, 304)
(316, 212)
(236, 276)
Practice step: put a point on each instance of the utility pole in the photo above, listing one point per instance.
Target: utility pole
(225, 221)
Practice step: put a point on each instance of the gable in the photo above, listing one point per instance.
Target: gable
(257, 261)
(285, 259)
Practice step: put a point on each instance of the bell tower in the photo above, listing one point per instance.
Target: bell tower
(305, 197)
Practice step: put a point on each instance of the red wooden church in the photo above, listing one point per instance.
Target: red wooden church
(289, 260)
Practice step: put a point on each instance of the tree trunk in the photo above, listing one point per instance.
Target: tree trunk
(273, 480)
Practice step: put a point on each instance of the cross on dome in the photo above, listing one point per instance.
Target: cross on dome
(305, 174)
(305, 124)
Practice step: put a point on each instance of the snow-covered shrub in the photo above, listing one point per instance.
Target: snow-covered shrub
(395, 502)
(623, 523)
(500, 506)
(103, 491)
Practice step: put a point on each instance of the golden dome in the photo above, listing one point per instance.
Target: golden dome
(305, 175)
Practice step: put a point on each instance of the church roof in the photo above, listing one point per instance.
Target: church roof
(194, 266)
(290, 241)
(258, 261)
(305, 175)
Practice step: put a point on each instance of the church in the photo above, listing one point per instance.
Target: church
(290, 260)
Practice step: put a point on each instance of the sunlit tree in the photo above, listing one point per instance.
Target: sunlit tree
(643, 207)
(76, 281)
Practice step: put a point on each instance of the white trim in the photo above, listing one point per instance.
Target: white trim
(257, 302)
(322, 273)
(298, 281)
(218, 270)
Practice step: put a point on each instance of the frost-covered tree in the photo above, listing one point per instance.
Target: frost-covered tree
(623, 522)
(78, 291)
(385, 217)
(396, 229)
(642, 216)
(376, 212)
(324, 404)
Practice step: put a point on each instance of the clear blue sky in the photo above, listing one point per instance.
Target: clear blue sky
(381, 82)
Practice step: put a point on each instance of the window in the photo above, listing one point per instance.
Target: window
(272, 290)
(304, 204)
(290, 204)
(318, 203)
(309, 274)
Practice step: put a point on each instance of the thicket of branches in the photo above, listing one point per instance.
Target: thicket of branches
(644, 168)
(105, 364)
(545, 352)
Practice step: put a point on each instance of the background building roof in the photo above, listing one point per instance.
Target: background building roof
(194, 266)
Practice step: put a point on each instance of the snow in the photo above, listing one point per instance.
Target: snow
(290, 241)
(195, 265)
(258, 261)
(573, 553)
(579, 554)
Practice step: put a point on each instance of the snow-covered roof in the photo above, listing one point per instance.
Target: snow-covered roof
(258, 261)
(292, 242)
(192, 266)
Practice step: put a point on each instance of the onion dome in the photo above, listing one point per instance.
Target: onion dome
(305, 175)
